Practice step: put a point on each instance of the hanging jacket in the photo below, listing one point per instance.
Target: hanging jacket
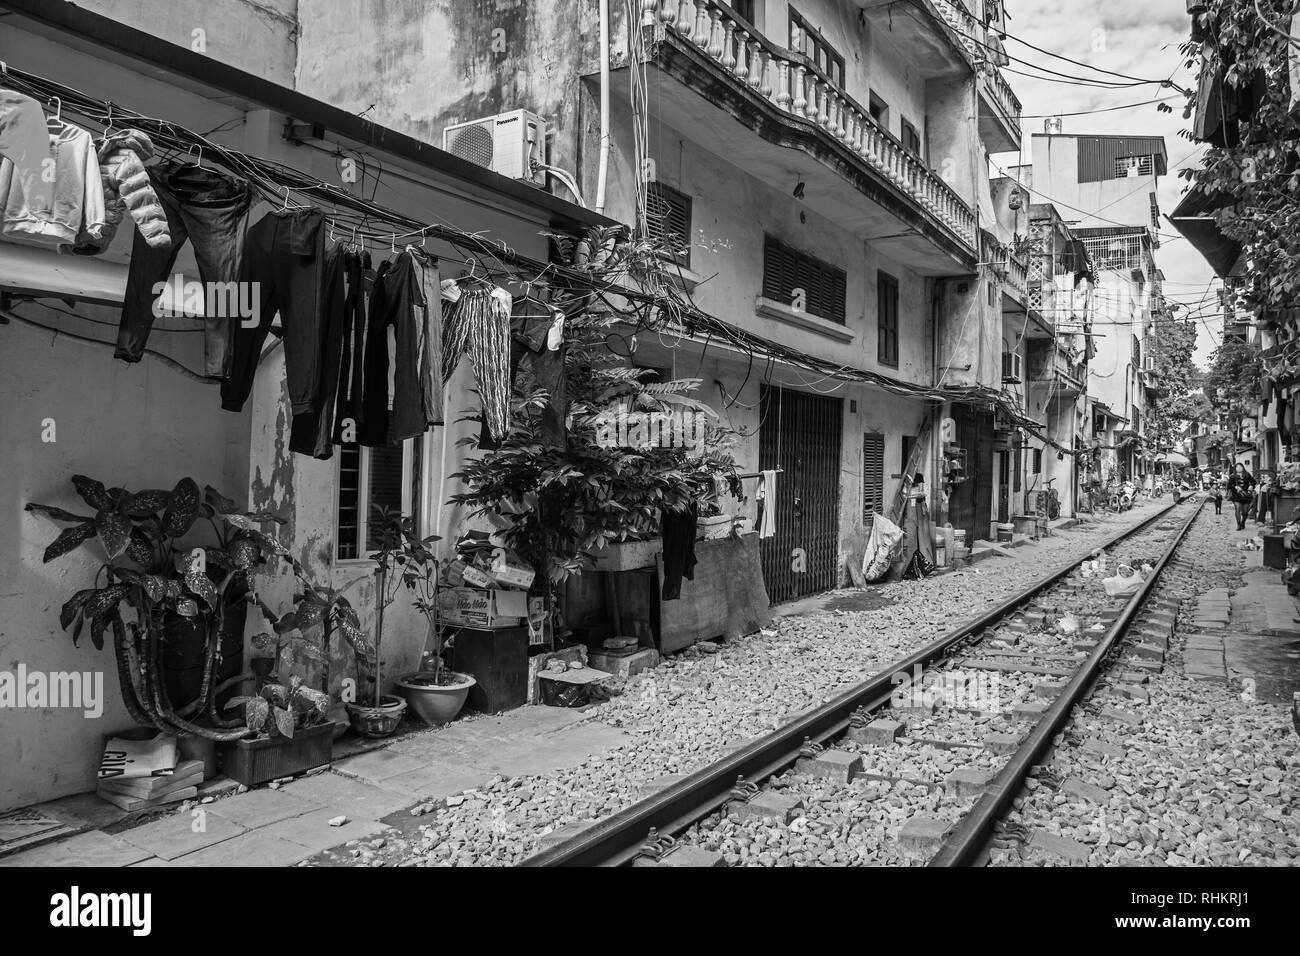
(78, 194)
(126, 187)
(25, 145)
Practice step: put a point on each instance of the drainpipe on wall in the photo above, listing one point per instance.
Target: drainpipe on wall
(603, 168)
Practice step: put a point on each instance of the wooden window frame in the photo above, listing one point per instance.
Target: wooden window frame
(819, 52)
(671, 195)
(408, 503)
(808, 265)
(904, 129)
(887, 345)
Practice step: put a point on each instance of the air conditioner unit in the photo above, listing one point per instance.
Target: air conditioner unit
(507, 143)
(1011, 368)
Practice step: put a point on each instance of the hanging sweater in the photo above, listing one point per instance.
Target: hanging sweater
(78, 195)
(25, 146)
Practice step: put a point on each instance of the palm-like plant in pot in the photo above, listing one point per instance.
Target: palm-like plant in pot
(156, 595)
(402, 560)
(436, 694)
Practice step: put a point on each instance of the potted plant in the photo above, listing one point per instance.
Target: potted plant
(159, 597)
(435, 694)
(291, 731)
(402, 559)
(1288, 490)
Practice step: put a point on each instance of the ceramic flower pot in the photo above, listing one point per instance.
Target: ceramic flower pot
(378, 721)
(435, 703)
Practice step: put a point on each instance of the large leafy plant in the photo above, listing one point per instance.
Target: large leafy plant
(560, 505)
(148, 579)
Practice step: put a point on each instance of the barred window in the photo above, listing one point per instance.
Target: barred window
(1134, 166)
(388, 477)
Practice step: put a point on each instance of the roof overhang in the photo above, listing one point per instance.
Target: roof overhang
(1194, 219)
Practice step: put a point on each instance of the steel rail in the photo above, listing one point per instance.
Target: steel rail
(615, 840)
(966, 845)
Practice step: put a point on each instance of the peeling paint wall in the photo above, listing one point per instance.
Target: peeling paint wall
(420, 65)
(258, 36)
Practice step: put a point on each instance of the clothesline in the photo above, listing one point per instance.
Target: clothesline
(662, 309)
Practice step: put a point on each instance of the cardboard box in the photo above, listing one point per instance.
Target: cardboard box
(481, 607)
(512, 573)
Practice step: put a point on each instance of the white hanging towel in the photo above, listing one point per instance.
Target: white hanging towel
(767, 494)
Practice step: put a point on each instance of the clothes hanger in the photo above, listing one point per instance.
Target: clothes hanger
(198, 160)
(57, 119)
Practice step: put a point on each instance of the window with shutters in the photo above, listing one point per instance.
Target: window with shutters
(873, 474)
(1137, 352)
(909, 441)
(668, 218)
(389, 477)
(1155, 211)
(787, 271)
(886, 319)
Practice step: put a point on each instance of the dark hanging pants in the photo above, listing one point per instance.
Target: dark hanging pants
(395, 403)
(285, 257)
(678, 531)
(312, 431)
(205, 207)
(349, 410)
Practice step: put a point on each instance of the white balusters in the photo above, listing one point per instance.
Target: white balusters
(742, 56)
(701, 32)
(758, 68)
(800, 101)
(783, 98)
(728, 55)
(649, 12)
(715, 33)
(685, 18)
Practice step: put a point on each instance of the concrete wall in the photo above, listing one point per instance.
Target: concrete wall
(135, 426)
(258, 36)
(1055, 179)
(146, 425)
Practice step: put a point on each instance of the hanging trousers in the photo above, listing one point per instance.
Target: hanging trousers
(312, 431)
(479, 326)
(205, 207)
(530, 328)
(284, 257)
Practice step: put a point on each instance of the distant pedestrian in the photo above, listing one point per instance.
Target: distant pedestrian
(1241, 492)
(1218, 500)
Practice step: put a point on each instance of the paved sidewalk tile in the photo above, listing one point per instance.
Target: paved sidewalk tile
(92, 848)
(256, 848)
(176, 835)
(345, 795)
(315, 834)
(257, 808)
(377, 765)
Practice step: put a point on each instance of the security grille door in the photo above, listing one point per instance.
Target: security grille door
(873, 475)
(801, 435)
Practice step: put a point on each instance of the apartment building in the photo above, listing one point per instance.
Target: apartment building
(1105, 190)
(823, 166)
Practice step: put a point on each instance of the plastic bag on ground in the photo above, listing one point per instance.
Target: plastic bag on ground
(1122, 584)
(882, 547)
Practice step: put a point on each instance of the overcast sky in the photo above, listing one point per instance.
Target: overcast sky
(1139, 38)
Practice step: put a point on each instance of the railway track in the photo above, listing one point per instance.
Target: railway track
(925, 721)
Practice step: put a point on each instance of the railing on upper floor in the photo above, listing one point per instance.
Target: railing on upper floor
(799, 88)
(974, 38)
